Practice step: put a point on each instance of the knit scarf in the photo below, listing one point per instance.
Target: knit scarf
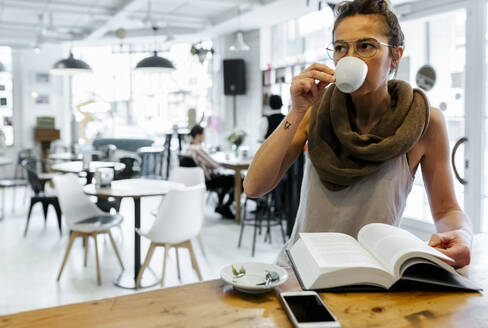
(342, 155)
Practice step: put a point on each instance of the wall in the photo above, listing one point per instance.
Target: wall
(25, 65)
(249, 105)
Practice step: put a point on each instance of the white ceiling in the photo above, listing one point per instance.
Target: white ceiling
(25, 23)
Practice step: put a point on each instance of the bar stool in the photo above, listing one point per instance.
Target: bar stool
(265, 210)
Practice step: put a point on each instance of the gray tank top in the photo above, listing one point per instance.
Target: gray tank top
(379, 197)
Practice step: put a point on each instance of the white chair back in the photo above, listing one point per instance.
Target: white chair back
(189, 176)
(75, 204)
(180, 216)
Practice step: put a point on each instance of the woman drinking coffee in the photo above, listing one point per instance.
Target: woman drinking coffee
(366, 135)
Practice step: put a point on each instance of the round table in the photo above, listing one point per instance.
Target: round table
(135, 189)
(237, 164)
(77, 167)
(65, 156)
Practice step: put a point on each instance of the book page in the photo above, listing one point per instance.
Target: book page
(392, 246)
(336, 250)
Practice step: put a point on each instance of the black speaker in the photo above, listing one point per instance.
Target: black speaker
(234, 77)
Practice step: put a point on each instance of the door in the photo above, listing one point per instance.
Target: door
(435, 60)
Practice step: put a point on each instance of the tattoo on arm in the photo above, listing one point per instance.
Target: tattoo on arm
(287, 125)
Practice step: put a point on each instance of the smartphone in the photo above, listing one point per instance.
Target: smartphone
(307, 310)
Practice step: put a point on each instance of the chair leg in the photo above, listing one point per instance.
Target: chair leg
(242, 224)
(68, 250)
(85, 242)
(14, 194)
(166, 251)
(28, 218)
(257, 223)
(115, 249)
(3, 203)
(59, 215)
(282, 231)
(178, 263)
(146, 263)
(44, 210)
(194, 262)
(99, 280)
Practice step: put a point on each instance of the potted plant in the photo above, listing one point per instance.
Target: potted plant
(236, 138)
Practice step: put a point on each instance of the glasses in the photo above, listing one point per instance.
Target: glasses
(365, 48)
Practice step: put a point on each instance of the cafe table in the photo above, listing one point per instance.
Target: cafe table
(216, 304)
(135, 189)
(77, 167)
(237, 164)
(65, 156)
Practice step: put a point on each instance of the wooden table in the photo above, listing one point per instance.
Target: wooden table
(216, 304)
(135, 189)
(229, 161)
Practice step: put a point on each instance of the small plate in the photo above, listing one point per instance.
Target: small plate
(255, 274)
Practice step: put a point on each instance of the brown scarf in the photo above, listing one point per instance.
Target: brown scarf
(341, 155)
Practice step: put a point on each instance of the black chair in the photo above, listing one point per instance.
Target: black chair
(132, 164)
(186, 161)
(40, 196)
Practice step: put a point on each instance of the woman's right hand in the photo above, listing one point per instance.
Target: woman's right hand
(304, 88)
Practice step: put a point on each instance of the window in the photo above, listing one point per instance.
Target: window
(136, 104)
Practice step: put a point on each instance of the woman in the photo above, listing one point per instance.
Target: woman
(364, 147)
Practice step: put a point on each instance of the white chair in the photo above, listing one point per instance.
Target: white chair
(179, 220)
(188, 176)
(83, 218)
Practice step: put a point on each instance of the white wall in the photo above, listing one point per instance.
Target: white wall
(249, 108)
(25, 65)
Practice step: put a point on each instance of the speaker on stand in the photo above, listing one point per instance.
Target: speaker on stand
(234, 82)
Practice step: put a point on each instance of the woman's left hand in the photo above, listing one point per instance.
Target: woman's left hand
(456, 244)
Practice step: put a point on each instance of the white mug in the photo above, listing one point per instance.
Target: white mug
(350, 74)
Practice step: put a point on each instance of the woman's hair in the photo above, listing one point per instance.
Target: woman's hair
(275, 102)
(372, 7)
(196, 130)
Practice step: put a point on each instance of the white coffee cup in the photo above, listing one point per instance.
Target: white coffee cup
(350, 74)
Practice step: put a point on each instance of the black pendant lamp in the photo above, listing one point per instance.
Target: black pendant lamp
(155, 64)
(70, 66)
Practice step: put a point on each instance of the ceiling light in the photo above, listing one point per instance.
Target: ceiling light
(70, 66)
(155, 64)
(239, 43)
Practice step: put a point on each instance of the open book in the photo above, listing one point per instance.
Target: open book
(382, 256)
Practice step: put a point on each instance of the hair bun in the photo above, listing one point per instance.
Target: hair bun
(384, 4)
(344, 6)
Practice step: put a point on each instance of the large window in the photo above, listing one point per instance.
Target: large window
(6, 103)
(438, 41)
(125, 103)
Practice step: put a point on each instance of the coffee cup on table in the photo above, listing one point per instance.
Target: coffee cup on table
(350, 74)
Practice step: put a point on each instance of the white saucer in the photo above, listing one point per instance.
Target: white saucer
(255, 274)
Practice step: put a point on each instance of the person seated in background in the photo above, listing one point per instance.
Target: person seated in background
(272, 117)
(215, 177)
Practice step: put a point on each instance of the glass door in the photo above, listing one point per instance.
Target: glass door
(434, 60)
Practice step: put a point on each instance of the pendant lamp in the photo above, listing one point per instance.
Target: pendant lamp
(239, 44)
(70, 66)
(155, 64)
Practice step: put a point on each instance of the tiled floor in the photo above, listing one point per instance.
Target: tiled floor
(29, 266)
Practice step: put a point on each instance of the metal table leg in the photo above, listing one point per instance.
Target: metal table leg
(128, 279)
